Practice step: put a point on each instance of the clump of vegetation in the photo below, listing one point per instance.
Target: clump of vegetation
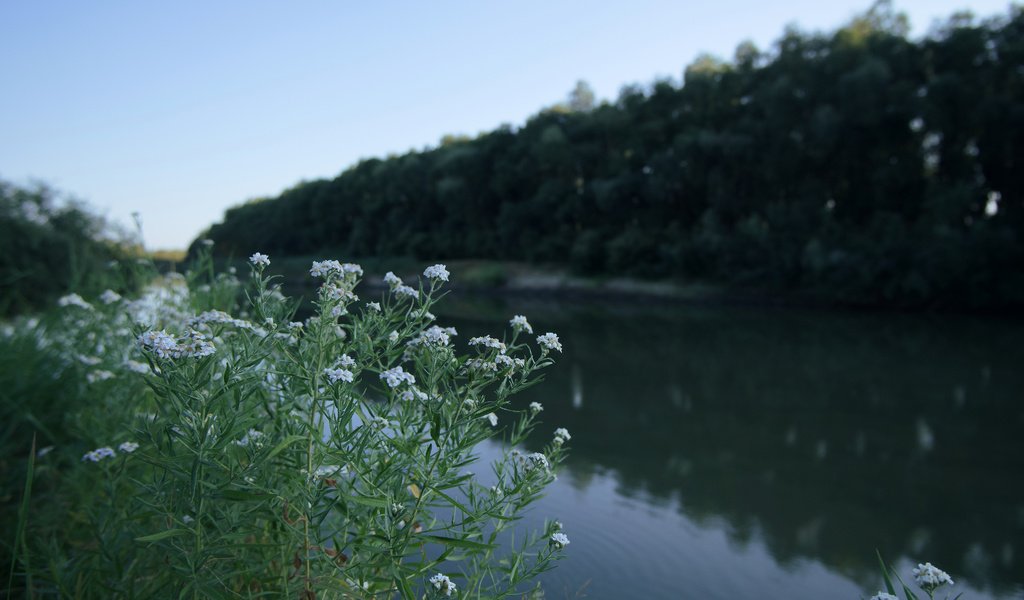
(51, 244)
(857, 166)
(191, 446)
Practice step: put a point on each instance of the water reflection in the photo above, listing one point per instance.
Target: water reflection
(817, 437)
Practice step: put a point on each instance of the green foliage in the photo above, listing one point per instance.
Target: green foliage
(50, 245)
(858, 166)
(190, 453)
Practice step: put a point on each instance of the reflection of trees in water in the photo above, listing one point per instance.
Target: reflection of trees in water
(825, 435)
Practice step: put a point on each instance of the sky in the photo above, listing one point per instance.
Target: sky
(179, 110)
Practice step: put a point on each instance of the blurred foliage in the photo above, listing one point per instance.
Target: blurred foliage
(857, 166)
(51, 244)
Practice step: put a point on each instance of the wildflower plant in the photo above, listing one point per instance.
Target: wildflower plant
(927, 576)
(252, 454)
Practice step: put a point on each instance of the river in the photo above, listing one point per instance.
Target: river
(767, 453)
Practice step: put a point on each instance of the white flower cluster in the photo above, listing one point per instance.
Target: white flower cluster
(374, 306)
(493, 418)
(930, 577)
(336, 375)
(519, 323)
(164, 345)
(561, 436)
(442, 584)
(439, 272)
(536, 407)
(397, 376)
(399, 288)
(559, 540)
(884, 596)
(549, 341)
(260, 260)
(536, 460)
(327, 268)
(109, 297)
(74, 300)
(107, 452)
(433, 336)
(487, 341)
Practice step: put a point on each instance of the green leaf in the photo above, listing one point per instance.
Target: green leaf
(458, 543)
(288, 441)
(885, 574)
(370, 501)
(156, 537)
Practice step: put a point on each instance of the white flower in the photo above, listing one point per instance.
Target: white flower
(559, 540)
(487, 342)
(537, 460)
(549, 341)
(536, 407)
(128, 447)
(930, 577)
(324, 268)
(346, 361)
(352, 268)
(260, 260)
(562, 436)
(393, 337)
(442, 584)
(392, 280)
(74, 300)
(99, 454)
(519, 323)
(884, 596)
(434, 335)
(436, 272)
(159, 343)
(397, 376)
(469, 403)
(493, 418)
(374, 306)
(404, 290)
(109, 297)
(336, 375)
(137, 367)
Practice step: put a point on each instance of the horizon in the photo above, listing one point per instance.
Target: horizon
(229, 120)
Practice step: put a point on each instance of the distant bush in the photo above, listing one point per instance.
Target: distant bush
(51, 244)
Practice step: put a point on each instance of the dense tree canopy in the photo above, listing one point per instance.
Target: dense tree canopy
(858, 165)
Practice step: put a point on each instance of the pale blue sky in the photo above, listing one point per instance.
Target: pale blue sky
(179, 110)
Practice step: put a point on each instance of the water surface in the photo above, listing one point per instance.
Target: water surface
(766, 453)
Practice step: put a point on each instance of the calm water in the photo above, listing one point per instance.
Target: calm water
(752, 453)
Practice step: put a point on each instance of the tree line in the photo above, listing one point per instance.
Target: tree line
(859, 165)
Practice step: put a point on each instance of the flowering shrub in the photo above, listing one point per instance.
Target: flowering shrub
(258, 455)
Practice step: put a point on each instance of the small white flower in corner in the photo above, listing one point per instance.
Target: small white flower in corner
(442, 584)
(493, 418)
(559, 540)
(536, 407)
(549, 341)
(128, 447)
(260, 260)
(437, 272)
(562, 436)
